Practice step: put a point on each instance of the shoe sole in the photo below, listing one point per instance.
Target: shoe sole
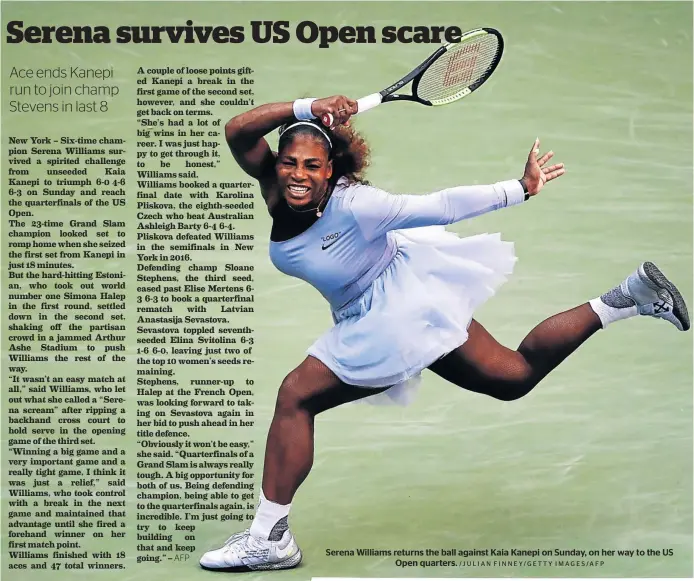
(679, 307)
(294, 560)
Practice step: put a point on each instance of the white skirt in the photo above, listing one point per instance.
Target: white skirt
(415, 312)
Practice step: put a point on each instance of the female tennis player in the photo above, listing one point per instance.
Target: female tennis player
(402, 291)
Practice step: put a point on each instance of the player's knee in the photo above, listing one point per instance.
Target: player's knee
(289, 400)
(517, 382)
(517, 389)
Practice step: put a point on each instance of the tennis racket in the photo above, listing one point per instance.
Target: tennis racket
(452, 72)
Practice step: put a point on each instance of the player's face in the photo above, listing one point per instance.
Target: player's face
(303, 171)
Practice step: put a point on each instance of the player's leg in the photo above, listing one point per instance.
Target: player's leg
(307, 391)
(310, 389)
(481, 364)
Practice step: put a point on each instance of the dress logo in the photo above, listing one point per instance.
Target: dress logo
(329, 240)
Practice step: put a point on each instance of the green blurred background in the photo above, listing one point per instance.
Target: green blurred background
(600, 454)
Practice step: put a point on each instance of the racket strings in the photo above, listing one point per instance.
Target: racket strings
(459, 68)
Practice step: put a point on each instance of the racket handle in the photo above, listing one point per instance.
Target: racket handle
(369, 102)
(363, 104)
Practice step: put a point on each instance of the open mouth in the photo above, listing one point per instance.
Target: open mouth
(296, 191)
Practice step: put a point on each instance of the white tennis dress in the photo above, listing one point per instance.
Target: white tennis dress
(401, 288)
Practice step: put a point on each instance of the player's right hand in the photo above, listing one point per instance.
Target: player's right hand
(334, 111)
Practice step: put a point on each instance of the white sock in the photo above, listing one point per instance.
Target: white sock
(271, 519)
(614, 306)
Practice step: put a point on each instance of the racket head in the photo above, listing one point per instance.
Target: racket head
(461, 68)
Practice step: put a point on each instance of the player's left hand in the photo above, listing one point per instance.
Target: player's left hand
(536, 175)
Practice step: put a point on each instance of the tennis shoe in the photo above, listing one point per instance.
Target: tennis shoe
(653, 295)
(243, 552)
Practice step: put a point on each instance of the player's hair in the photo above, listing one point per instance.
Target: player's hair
(348, 150)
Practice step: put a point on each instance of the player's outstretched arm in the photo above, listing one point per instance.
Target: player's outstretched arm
(377, 211)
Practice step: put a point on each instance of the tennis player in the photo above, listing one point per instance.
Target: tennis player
(402, 291)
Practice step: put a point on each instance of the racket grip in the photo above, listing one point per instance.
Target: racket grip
(363, 104)
(369, 102)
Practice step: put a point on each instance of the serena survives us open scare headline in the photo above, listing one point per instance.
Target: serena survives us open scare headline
(262, 32)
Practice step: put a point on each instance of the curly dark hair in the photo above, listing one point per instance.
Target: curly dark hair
(349, 153)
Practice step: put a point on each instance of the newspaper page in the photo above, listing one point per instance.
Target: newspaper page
(147, 331)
